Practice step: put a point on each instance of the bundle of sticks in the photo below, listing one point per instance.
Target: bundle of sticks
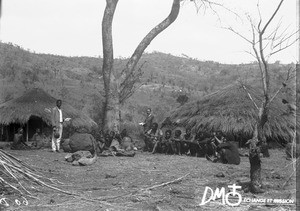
(19, 177)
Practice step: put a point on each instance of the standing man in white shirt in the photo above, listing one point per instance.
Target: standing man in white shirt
(57, 124)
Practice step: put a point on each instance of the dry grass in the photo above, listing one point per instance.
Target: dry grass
(231, 111)
(37, 102)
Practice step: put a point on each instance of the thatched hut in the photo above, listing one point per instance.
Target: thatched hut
(33, 109)
(231, 111)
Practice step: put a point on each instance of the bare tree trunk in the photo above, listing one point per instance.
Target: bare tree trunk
(257, 145)
(110, 85)
(113, 111)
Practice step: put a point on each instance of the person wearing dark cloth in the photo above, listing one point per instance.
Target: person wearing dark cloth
(108, 138)
(188, 141)
(101, 141)
(201, 138)
(162, 145)
(177, 141)
(153, 136)
(19, 142)
(228, 152)
(166, 143)
(147, 124)
(210, 145)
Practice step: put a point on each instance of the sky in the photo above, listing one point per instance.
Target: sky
(73, 28)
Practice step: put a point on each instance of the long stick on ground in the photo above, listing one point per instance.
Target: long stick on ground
(166, 183)
(145, 189)
(14, 158)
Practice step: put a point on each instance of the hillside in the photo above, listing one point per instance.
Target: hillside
(78, 81)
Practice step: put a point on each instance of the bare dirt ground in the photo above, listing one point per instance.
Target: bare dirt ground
(129, 183)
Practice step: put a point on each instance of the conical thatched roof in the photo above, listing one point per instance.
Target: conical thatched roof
(231, 110)
(37, 102)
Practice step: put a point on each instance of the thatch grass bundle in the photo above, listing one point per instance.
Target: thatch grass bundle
(231, 111)
(37, 102)
(20, 178)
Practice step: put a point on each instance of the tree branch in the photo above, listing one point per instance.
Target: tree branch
(288, 77)
(283, 48)
(128, 85)
(249, 95)
(284, 39)
(237, 33)
(150, 36)
(271, 18)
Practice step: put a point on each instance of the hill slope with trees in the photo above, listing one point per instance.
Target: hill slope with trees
(167, 82)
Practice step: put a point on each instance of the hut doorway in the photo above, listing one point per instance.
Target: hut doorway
(35, 123)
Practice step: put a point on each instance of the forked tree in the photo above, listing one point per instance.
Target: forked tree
(265, 42)
(120, 86)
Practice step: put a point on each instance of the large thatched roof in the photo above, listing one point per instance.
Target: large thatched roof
(37, 102)
(230, 110)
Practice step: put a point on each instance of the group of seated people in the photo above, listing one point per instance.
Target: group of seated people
(111, 140)
(39, 140)
(214, 147)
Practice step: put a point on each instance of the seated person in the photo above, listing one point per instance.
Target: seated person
(201, 138)
(188, 141)
(108, 139)
(177, 140)
(209, 145)
(114, 141)
(101, 141)
(38, 139)
(152, 137)
(228, 152)
(127, 141)
(19, 142)
(166, 145)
